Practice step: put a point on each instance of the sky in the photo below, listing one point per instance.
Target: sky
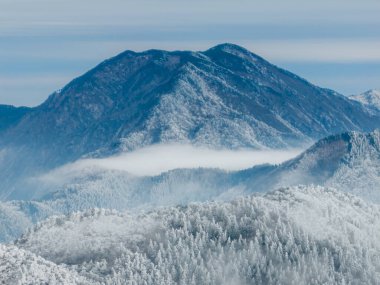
(44, 44)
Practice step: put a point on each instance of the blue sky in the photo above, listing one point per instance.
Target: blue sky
(46, 43)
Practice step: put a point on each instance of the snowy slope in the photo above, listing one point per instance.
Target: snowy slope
(116, 190)
(304, 235)
(13, 222)
(349, 162)
(21, 267)
(17, 216)
(371, 99)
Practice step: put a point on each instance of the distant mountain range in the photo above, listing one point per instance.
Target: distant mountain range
(370, 99)
(225, 97)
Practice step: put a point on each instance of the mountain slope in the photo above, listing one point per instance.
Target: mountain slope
(370, 99)
(10, 116)
(18, 266)
(349, 162)
(304, 235)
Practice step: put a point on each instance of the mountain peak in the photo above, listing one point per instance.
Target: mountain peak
(372, 92)
(348, 144)
(235, 50)
(370, 99)
(229, 46)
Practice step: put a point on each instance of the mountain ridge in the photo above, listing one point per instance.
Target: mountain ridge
(370, 99)
(320, 234)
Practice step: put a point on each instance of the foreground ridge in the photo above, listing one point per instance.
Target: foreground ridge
(304, 235)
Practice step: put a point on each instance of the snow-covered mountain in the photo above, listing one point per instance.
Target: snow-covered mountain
(303, 235)
(349, 162)
(225, 97)
(370, 99)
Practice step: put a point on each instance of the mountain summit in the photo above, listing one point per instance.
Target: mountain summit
(348, 162)
(371, 99)
(225, 97)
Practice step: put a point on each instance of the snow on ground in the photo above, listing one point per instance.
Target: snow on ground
(302, 235)
(18, 266)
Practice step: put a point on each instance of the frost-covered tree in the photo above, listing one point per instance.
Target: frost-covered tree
(286, 237)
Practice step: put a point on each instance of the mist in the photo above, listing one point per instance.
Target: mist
(154, 160)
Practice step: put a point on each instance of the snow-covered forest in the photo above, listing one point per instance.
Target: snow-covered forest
(302, 235)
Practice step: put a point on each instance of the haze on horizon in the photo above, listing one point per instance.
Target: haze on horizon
(45, 44)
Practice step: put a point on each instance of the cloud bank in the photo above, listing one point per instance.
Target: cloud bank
(154, 160)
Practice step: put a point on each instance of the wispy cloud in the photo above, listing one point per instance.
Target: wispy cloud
(154, 160)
